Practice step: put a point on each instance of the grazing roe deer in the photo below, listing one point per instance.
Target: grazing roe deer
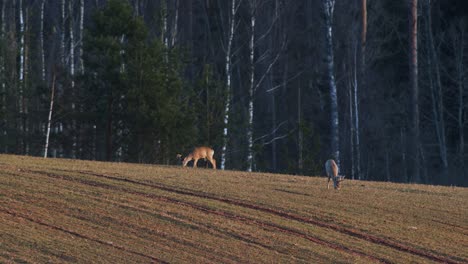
(200, 153)
(332, 172)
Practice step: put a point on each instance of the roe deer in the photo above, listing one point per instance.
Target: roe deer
(332, 172)
(200, 153)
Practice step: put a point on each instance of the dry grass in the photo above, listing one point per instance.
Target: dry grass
(60, 210)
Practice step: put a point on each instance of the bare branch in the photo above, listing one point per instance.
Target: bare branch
(271, 133)
(284, 83)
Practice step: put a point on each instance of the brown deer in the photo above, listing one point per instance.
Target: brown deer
(332, 172)
(199, 153)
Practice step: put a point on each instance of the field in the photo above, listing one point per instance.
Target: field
(59, 210)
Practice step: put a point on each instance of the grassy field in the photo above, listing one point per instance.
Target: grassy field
(59, 210)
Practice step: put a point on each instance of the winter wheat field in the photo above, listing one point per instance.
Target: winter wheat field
(57, 210)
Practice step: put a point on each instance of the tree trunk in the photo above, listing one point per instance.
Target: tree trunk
(25, 82)
(414, 144)
(49, 121)
(21, 81)
(329, 6)
(72, 79)
(362, 85)
(300, 133)
(228, 68)
(80, 51)
(164, 33)
(41, 39)
(109, 128)
(351, 125)
(175, 25)
(3, 81)
(273, 125)
(251, 86)
(387, 165)
(436, 90)
(62, 33)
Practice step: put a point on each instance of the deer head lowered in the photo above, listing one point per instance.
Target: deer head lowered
(332, 172)
(199, 153)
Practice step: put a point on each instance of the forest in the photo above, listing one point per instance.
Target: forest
(271, 85)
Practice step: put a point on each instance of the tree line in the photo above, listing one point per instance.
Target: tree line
(271, 85)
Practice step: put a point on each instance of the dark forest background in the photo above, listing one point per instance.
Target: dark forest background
(143, 80)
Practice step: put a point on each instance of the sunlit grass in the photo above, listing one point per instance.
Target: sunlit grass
(57, 210)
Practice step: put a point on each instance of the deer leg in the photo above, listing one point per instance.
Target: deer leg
(328, 183)
(195, 163)
(213, 163)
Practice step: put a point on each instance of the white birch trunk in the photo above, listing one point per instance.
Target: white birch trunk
(72, 77)
(80, 51)
(120, 124)
(49, 120)
(362, 85)
(62, 33)
(356, 120)
(251, 87)
(41, 39)
(122, 54)
(21, 62)
(72, 49)
(227, 104)
(176, 22)
(25, 83)
(329, 6)
(165, 32)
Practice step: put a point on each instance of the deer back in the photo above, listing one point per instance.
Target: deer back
(331, 168)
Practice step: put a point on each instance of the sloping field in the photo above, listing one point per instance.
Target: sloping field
(59, 210)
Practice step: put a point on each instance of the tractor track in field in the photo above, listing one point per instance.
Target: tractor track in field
(73, 233)
(207, 210)
(354, 233)
(337, 228)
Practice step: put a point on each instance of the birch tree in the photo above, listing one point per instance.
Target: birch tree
(62, 32)
(228, 71)
(41, 42)
(25, 96)
(164, 32)
(49, 120)
(21, 80)
(254, 81)
(80, 36)
(414, 88)
(253, 6)
(72, 77)
(328, 6)
(175, 29)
